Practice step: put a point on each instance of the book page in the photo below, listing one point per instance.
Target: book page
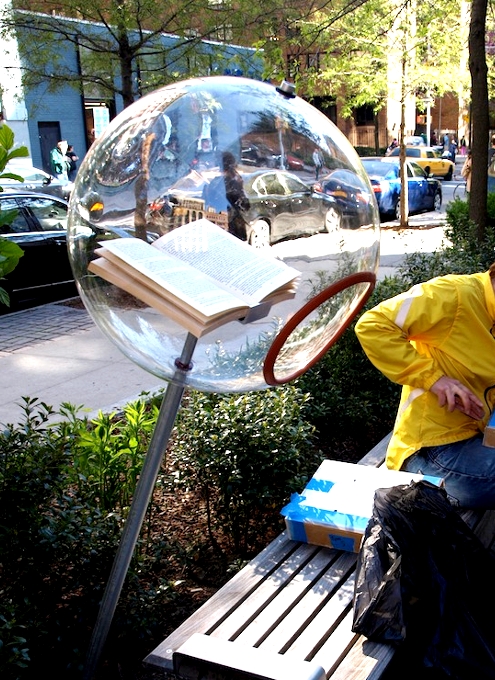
(182, 280)
(230, 261)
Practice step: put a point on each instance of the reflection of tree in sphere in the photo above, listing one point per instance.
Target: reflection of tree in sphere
(238, 153)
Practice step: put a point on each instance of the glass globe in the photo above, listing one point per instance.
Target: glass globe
(276, 182)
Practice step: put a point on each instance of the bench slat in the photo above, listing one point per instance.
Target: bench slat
(366, 659)
(226, 599)
(287, 599)
(298, 618)
(323, 624)
(235, 623)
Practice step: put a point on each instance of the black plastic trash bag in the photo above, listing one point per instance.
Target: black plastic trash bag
(423, 575)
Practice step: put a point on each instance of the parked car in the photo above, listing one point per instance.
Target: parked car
(34, 179)
(424, 191)
(259, 155)
(351, 195)
(39, 227)
(293, 162)
(283, 206)
(427, 157)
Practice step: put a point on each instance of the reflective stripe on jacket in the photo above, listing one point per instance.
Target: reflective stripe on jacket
(442, 327)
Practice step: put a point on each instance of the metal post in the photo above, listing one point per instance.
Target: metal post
(144, 490)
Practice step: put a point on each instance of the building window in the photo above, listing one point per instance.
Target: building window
(364, 115)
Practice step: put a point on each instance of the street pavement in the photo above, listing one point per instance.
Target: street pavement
(56, 353)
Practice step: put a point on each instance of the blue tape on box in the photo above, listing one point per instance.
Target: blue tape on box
(336, 504)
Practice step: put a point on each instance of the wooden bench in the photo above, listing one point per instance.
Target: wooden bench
(286, 616)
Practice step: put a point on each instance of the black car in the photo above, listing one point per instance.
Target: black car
(259, 155)
(282, 206)
(351, 194)
(39, 227)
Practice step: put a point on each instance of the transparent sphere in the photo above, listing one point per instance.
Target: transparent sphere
(223, 233)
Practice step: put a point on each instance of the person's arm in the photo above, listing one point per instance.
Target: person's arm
(388, 331)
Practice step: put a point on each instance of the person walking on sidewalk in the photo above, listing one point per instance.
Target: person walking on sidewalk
(466, 172)
(59, 163)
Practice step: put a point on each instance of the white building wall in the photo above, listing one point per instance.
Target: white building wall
(11, 91)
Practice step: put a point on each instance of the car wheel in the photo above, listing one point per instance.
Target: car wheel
(259, 236)
(448, 176)
(437, 200)
(332, 220)
(397, 209)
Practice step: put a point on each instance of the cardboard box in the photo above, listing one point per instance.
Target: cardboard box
(336, 505)
(489, 436)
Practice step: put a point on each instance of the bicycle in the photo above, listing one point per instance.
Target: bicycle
(460, 191)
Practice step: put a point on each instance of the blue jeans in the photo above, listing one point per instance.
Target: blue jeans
(467, 467)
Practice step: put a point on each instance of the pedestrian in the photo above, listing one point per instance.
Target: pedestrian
(433, 139)
(452, 149)
(318, 162)
(466, 172)
(491, 150)
(73, 158)
(59, 163)
(437, 340)
(463, 146)
(393, 145)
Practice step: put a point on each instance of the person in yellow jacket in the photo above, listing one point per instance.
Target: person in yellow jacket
(437, 340)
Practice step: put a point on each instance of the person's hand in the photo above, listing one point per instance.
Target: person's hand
(454, 395)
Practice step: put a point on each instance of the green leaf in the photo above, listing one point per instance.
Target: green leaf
(11, 175)
(4, 297)
(10, 254)
(6, 137)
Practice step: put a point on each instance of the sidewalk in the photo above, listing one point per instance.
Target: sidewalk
(56, 353)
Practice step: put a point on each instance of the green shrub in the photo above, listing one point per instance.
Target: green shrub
(352, 404)
(464, 255)
(58, 540)
(244, 454)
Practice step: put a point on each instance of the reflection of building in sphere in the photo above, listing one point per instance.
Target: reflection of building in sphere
(239, 153)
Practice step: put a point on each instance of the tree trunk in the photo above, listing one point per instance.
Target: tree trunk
(479, 116)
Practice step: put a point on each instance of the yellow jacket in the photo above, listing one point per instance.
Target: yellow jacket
(442, 327)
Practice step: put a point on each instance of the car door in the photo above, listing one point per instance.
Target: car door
(306, 210)
(39, 228)
(50, 217)
(418, 188)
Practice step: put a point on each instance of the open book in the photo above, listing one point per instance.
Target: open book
(199, 275)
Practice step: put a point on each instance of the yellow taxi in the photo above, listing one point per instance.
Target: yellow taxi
(426, 156)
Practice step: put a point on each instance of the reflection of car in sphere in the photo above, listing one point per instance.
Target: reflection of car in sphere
(351, 195)
(34, 179)
(38, 225)
(294, 162)
(258, 155)
(427, 157)
(424, 192)
(282, 206)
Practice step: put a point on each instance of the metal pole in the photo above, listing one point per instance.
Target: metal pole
(144, 489)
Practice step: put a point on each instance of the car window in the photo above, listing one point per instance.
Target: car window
(415, 170)
(413, 153)
(293, 186)
(380, 169)
(269, 184)
(430, 154)
(12, 220)
(51, 215)
(395, 152)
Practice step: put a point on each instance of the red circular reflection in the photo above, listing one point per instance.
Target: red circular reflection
(294, 321)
